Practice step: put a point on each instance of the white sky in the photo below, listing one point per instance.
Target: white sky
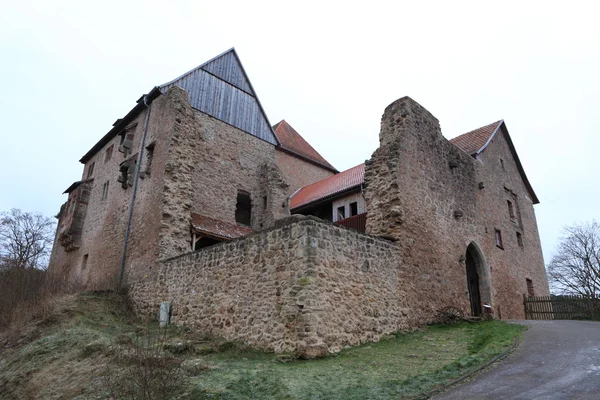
(71, 68)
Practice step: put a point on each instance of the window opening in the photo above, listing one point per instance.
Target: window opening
(105, 191)
(108, 154)
(502, 164)
(353, 209)
(530, 291)
(341, 213)
(243, 208)
(264, 202)
(511, 210)
(519, 239)
(499, 239)
(91, 170)
(84, 261)
(149, 157)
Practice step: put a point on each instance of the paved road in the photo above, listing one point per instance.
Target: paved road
(557, 360)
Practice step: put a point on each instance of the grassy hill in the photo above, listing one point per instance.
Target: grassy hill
(92, 347)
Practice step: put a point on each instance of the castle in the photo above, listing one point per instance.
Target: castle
(193, 198)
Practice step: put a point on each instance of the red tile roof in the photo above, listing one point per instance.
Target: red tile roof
(472, 142)
(292, 141)
(351, 178)
(217, 228)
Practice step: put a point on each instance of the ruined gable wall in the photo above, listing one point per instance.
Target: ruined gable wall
(303, 286)
(297, 172)
(420, 189)
(512, 265)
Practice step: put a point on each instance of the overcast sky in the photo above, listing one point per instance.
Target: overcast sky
(71, 68)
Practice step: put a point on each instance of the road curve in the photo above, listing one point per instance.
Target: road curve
(557, 360)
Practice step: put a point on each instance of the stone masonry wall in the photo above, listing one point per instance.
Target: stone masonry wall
(304, 286)
(420, 189)
(426, 192)
(512, 264)
(105, 220)
(297, 172)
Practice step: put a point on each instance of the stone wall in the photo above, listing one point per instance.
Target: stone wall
(303, 286)
(425, 192)
(104, 224)
(298, 172)
(512, 264)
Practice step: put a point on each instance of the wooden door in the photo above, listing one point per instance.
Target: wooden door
(473, 283)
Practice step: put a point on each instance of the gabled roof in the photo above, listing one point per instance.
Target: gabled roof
(345, 181)
(475, 142)
(217, 228)
(219, 88)
(292, 142)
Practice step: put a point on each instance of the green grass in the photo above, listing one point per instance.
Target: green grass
(69, 353)
(405, 367)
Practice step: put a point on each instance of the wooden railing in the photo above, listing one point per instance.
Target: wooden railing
(357, 222)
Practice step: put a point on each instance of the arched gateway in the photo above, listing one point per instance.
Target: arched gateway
(478, 279)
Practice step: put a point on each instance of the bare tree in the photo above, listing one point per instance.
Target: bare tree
(575, 268)
(25, 239)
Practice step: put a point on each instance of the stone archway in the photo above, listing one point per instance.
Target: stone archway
(478, 279)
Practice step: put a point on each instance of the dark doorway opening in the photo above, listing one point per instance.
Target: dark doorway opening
(473, 283)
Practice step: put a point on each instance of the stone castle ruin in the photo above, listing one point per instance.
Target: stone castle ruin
(193, 198)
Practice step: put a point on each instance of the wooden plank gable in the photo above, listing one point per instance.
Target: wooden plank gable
(221, 89)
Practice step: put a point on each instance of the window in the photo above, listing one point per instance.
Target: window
(149, 157)
(84, 262)
(108, 154)
(519, 239)
(104, 191)
(530, 291)
(264, 202)
(243, 208)
(499, 239)
(502, 164)
(511, 210)
(341, 213)
(90, 170)
(353, 209)
(126, 144)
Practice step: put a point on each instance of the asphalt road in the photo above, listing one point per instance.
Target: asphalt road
(556, 360)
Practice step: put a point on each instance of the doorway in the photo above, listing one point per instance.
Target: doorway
(473, 284)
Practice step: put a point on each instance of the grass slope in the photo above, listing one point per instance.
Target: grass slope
(70, 355)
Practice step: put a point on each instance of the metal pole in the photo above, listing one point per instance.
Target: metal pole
(134, 192)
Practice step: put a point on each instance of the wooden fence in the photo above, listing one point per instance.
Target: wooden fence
(561, 307)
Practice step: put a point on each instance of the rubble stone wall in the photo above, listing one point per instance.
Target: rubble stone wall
(303, 286)
(424, 191)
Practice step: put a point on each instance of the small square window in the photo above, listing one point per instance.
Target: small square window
(519, 239)
(499, 239)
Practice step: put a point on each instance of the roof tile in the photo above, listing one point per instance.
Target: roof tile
(472, 142)
(294, 142)
(218, 228)
(353, 177)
